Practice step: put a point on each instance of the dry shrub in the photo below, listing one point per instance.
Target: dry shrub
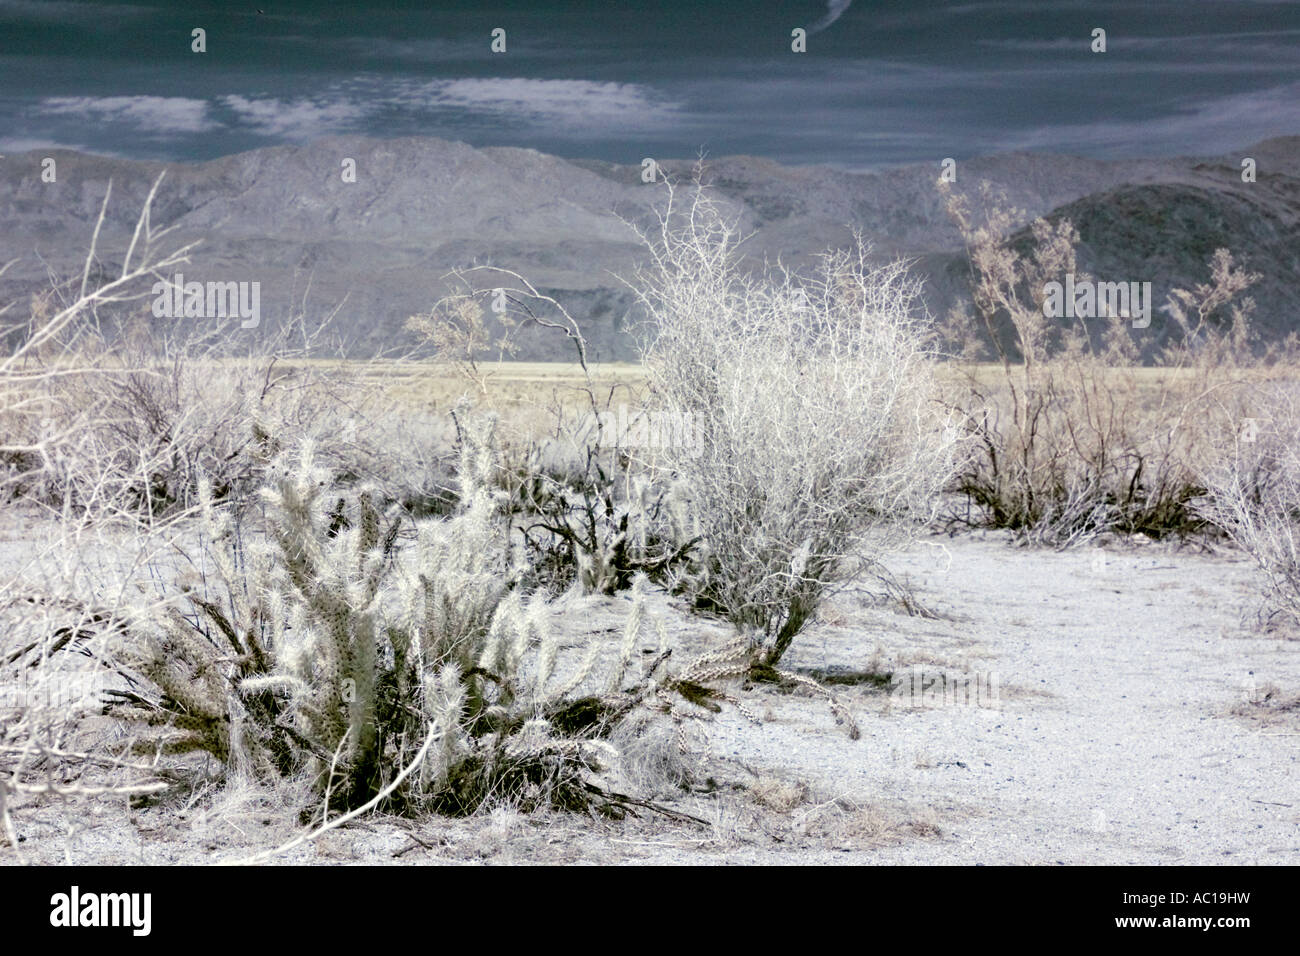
(1269, 704)
(39, 700)
(129, 422)
(596, 511)
(110, 413)
(132, 432)
(36, 429)
(780, 795)
(1254, 495)
(818, 443)
(593, 507)
(47, 703)
(1072, 436)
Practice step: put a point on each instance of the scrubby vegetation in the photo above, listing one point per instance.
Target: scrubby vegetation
(326, 591)
(1254, 495)
(328, 649)
(1072, 437)
(819, 442)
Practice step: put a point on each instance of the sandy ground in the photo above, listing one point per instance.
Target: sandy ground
(1103, 706)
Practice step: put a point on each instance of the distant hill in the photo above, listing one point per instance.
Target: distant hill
(422, 206)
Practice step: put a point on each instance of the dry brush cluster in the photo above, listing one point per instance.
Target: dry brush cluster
(1071, 435)
(1254, 495)
(820, 444)
(797, 434)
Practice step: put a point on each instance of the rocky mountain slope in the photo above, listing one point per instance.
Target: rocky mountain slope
(381, 246)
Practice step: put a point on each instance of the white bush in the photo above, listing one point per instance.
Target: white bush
(817, 442)
(1255, 495)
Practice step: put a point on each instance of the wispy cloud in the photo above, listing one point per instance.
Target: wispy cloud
(1079, 44)
(834, 10)
(300, 118)
(60, 11)
(153, 114)
(562, 103)
(428, 50)
(1239, 119)
(352, 105)
(1254, 42)
(29, 144)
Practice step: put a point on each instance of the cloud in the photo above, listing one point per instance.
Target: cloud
(29, 144)
(421, 50)
(834, 10)
(1236, 119)
(154, 114)
(1251, 43)
(1079, 44)
(60, 11)
(564, 103)
(300, 118)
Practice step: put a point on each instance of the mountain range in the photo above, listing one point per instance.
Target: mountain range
(379, 248)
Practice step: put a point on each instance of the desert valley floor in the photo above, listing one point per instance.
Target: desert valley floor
(1138, 715)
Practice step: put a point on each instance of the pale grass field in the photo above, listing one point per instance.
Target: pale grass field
(514, 385)
(529, 397)
(526, 394)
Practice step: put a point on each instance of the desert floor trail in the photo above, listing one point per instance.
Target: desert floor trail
(1139, 719)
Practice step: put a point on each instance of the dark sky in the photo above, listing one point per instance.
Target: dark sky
(883, 81)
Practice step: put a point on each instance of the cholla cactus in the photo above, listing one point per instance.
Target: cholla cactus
(333, 650)
(598, 515)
